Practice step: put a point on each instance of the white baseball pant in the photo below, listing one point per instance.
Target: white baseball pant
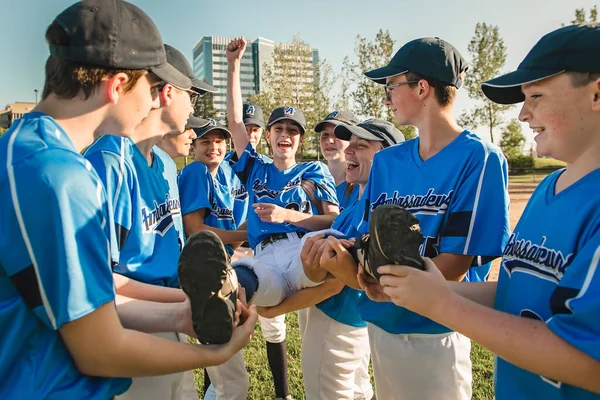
(228, 381)
(335, 358)
(279, 269)
(163, 387)
(419, 366)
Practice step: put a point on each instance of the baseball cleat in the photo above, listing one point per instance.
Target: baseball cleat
(211, 284)
(394, 238)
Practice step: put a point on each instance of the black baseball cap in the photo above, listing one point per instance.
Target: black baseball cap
(178, 60)
(573, 48)
(212, 126)
(253, 114)
(291, 113)
(196, 122)
(114, 34)
(431, 57)
(336, 118)
(372, 129)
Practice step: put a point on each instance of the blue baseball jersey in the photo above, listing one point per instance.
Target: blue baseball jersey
(461, 200)
(266, 184)
(147, 212)
(223, 196)
(346, 196)
(342, 307)
(550, 272)
(230, 156)
(54, 261)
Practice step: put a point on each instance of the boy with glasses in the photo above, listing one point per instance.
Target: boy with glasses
(455, 184)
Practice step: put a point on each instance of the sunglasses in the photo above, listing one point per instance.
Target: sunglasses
(389, 86)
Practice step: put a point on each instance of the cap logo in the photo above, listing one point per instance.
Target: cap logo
(290, 111)
(333, 115)
(251, 110)
(212, 122)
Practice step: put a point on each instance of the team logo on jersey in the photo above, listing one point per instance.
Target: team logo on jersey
(547, 263)
(239, 193)
(222, 212)
(261, 191)
(333, 115)
(430, 203)
(160, 219)
(290, 111)
(251, 110)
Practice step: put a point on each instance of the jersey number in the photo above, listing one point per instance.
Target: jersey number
(431, 245)
(306, 207)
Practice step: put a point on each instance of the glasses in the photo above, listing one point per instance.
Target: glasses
(389, 86)
(194, 96)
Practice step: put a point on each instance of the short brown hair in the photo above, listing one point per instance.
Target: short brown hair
(580, 79)
(444, 93)
(67, 79)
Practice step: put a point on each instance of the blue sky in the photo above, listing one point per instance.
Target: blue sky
(329, 25)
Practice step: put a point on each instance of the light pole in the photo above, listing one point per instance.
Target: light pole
(36, 92)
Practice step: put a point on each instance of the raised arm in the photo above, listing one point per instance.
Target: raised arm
(235, 51)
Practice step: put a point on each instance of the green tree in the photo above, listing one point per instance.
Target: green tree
(365, 96)
(204, 108)
(293, 80)
(581, 16)
(488, 55)
(360, 95)
(2, 131)
(512, 139)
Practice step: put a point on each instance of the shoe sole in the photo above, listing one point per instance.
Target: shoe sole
(203, 270)
(396, 236)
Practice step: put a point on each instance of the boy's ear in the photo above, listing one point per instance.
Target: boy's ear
(166, 95)
(114, 87)
(596, 99)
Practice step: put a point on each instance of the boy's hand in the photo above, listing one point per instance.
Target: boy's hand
(419, 291)
(371, 286)
(236, 49)
(243, 332)
(271, 213)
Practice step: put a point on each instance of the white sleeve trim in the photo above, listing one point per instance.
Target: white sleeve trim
(476, 203)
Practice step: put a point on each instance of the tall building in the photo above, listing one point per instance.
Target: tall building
(210, 64)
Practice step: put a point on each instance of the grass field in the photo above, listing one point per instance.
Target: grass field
(261, 384)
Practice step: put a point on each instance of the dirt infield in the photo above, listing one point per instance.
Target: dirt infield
(519, 196)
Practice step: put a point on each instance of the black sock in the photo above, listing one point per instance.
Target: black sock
(206, 382)
(277, 356)
(247, 279)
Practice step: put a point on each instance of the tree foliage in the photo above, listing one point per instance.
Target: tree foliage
(204, 108)
(512, 139)
(293, 80)
(488, 55)
(360, 95)
(581, 17)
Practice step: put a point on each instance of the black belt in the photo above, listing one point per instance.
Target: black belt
(276, 237)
